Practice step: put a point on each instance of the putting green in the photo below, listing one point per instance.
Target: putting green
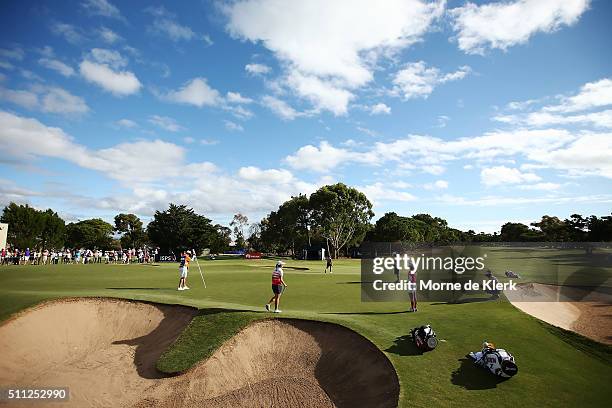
(556, 369)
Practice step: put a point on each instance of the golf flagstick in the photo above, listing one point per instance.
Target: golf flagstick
(200, 269)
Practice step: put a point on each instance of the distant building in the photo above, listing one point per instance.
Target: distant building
(3, 235)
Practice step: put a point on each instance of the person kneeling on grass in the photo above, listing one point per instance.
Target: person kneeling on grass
(277, 286)
(184, 269)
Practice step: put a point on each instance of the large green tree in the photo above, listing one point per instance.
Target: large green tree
(25, 225)
(130, 228)
(341, 215)
(553, 229)
(392, 228)
(179, 228)
(90, 234)
(31, 228)
(53, 234)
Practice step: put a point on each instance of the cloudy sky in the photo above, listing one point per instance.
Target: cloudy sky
(478, 112)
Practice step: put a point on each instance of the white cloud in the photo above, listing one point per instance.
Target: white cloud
(327, 48)
(232, 126)
(126, 123)
(15, 53)
(46, 99)
(324, 95)
(58, 100)
(280, 108)
(257, 69)
(235, 97)
(502, 175)
(274, 176)
(101, 8)
(57, 65)
(208, 142)
(207, 40)
(379, 192)
(505, 24)
(380, 108)
(109, 36)
(416, 80)
(548, 148)
(102, 67)
(367, 131)
(434, 169)
(68, 31)
(27, 99)
(496, 201)
(588, 154)
(324, 158)
(196, 92)
(538, 119)
(166, 123)
(541, 186)
(592, 95)
(131, 162)
(569, 110)
(6, 65)
(108, 57)
(188, 140)
(165, 24)
(436, 185)
(146, 169)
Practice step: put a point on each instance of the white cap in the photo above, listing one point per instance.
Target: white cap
(279, 263)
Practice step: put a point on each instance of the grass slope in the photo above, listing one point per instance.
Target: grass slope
(555, 369)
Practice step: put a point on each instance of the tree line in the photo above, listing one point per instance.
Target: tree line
(173, 230)
(335, 217)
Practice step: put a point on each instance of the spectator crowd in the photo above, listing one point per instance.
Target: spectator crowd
(15, 256)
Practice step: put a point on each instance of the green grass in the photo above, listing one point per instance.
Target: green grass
(556, 369)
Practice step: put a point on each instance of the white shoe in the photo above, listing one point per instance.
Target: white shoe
(179, 288)
(267, 307)
(277, 311)
(185, 287)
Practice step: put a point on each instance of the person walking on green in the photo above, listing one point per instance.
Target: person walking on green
(278, 285)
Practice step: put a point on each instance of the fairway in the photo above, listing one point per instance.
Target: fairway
(556, 368)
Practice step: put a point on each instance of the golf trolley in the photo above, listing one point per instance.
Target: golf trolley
(424, 338)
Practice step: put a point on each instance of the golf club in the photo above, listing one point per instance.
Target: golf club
(200, 269)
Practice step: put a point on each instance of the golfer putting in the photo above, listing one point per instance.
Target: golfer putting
(278, 284)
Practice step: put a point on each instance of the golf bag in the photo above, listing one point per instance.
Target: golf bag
(424, 338)
(497, 361)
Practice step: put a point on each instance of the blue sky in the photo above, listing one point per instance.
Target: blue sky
(477, 112)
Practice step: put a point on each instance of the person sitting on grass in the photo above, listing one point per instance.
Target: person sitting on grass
(184, 269)
(277, 286)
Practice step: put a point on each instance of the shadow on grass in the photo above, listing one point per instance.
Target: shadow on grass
(404, 346)
(466, 300)
(296, 268)
(216, 310)
(472, 377)
(367, 313)
(164, 289)
(352, 283)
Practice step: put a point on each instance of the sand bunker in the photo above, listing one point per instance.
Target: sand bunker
(105, 351)
(587, 312)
